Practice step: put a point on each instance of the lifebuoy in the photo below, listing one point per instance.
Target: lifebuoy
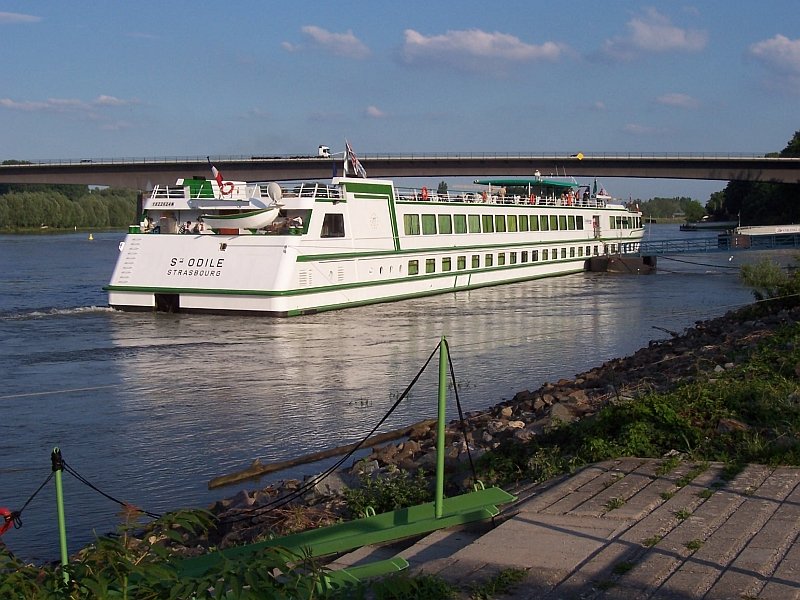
(484, 196)
(226, 188)
(7, 520)
(533, 198)
(424, 193)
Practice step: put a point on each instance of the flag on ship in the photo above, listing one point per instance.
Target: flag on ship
(353, 162)
(217, 175)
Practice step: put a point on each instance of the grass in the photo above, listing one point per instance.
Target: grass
(615, 503)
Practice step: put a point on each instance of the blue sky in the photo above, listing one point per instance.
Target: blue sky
(180, 78)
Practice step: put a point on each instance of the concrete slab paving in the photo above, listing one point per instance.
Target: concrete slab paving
(639, 528)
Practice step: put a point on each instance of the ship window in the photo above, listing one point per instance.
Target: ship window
(571, 222)
(523, 222)
(512, 222)
(553, 223)
(500, 223)
(461, 263)
(562, 222)
(544, 223)
(488, 224)
(428, 224)
(430, 265)
(411, 224)
(580, 250)
(579, 222)
(445, 224)
(588, 250)
(534, 255)
(563, 253)
(534, 223)
(460, 223)
(545, 254)
(501, 258)
(572, 252)
(446, 264)
(489, 260)
(523, 256)
(474, 223)
(413, 267)
(554, 253)
(476, 261)
(333, 225)
(512, 258)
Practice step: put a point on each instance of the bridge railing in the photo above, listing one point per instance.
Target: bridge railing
(722, 243)
(221, 159)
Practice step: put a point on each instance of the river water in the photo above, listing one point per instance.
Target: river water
(150, 407)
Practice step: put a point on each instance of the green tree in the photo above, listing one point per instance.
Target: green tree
(759, 203)
(442, 189)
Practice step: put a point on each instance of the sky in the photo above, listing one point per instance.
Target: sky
(191, 78)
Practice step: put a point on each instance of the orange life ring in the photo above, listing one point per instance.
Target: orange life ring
(424, 193)
(226, 188)
(7, 520)
(484, 195)
(533, 198)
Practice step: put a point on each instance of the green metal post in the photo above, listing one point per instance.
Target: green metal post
(58, 467)
(440, 428)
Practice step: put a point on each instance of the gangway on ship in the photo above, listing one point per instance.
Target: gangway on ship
(725, 242)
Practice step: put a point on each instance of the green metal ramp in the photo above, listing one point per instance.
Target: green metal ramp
(341, 537)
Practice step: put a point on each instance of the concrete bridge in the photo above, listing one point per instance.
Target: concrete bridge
(144, 173)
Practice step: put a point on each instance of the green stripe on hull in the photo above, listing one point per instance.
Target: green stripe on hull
(355, 285)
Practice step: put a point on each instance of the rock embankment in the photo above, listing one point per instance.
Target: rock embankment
(699, 354)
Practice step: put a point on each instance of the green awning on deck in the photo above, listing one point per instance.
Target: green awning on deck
(533, 182)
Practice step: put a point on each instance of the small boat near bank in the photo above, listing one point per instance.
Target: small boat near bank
(200, 246)
(707, 225)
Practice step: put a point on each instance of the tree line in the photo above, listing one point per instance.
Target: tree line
(757, 203)
(27, 206)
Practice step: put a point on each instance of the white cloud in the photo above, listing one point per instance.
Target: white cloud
(778, 54)
(653, 32)
(340, 44)
(475, 49)
(637, 129)
(7, 18)
(95, 111)
(375, 112)
(678, 100)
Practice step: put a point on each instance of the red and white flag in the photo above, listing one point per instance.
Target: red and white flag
(217, 175)
(353, 162)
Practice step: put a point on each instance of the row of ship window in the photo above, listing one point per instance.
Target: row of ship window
(499, 259)
(430, 224)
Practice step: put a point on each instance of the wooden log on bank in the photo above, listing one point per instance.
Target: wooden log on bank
(257, 469)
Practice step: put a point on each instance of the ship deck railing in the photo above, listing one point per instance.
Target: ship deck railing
(424, 195)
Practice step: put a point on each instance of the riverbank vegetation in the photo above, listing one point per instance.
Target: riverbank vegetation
(746, 410)
(27, 207)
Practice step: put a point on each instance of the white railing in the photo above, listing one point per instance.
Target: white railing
(425, 195)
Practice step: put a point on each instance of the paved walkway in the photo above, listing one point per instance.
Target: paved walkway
(634, 528)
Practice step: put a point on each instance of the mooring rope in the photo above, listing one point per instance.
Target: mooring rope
(283, 500)
(16, 515)
(461, 420)
(89, 484)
